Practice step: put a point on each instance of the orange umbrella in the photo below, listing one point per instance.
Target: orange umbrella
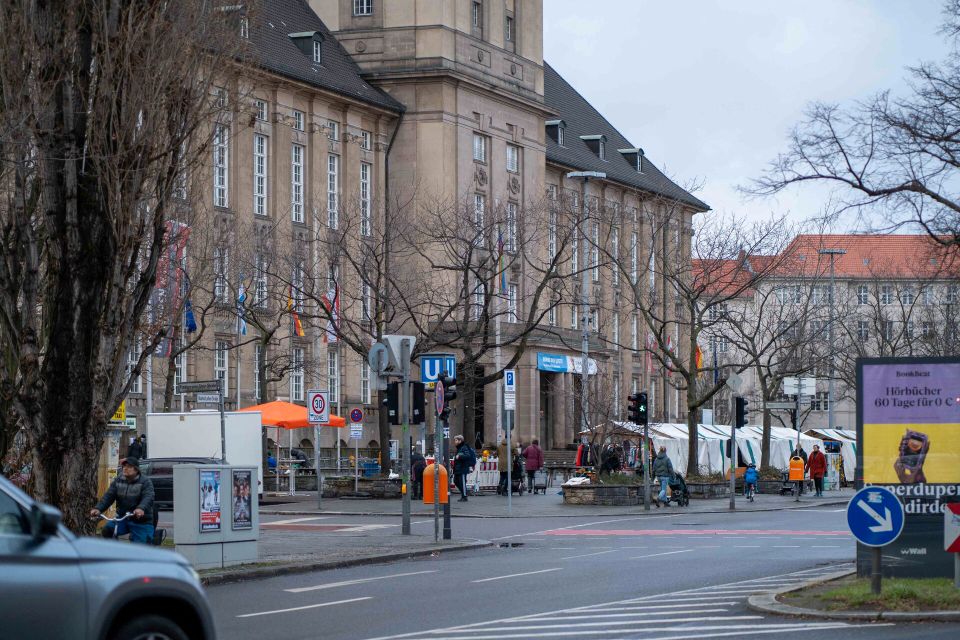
(289, 416)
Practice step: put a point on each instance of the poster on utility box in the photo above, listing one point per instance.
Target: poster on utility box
(910, 429)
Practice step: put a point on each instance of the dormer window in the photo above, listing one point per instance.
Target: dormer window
(244, 27)
(634, 157)
(555, 130)
(597, 144)
(310, 44)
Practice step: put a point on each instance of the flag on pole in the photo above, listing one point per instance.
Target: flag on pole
(297, 326)
(332, 304)
(241, 311)
(189, 319)
(501, 262)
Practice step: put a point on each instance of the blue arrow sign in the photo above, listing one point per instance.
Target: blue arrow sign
(875, 516)
(431, 364)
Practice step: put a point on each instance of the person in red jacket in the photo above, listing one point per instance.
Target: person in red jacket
(533, 456)
(817, 465)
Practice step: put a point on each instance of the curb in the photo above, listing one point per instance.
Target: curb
(768, 603)
(239, 574)
(678, 510)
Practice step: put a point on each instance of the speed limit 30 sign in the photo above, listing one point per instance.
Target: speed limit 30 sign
(318, 407)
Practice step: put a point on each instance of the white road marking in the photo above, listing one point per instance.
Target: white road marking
(309, 606)
(767, 628)
(647, 607)
(754, 629)
(292, 520)
(786, 546)
(347, 583)
(665, 553)
(517, 575)
(640, 614)
(587, 555)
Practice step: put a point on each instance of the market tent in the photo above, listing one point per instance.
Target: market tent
(782, 443)
(848, 446)
(289, 416)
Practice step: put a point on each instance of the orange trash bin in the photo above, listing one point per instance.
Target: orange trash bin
(796, 468)
(428, 484)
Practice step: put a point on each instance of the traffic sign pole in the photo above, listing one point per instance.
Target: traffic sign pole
(875, 517)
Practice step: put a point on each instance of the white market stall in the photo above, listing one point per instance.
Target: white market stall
(848, 446)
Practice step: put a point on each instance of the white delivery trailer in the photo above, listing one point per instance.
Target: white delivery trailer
(197, 435)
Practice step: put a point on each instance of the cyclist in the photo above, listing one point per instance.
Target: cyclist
(750, 477)
(133, 493)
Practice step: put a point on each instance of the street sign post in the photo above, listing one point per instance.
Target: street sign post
(951, 537)
(207, 398)
(774, 406)
(875, 517)
(356, 415)
(318, 406)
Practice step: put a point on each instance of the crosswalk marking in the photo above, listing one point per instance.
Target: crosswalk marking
(715, 611)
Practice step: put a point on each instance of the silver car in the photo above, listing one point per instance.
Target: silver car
(54, 584)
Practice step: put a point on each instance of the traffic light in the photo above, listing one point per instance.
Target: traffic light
(741, 412)
(419, 403)
(449, 393)
(637, 413)
(391, 402)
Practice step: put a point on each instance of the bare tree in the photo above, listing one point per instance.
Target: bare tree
(104, 105)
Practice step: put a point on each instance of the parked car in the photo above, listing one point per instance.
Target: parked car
(160, 472)
(91, 588)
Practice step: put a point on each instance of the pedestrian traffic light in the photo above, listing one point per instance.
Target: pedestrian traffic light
(391, 402)
(741, 412)
(637, 412)
(418, 404)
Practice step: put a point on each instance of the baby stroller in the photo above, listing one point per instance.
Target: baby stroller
(678, 491)
(517, 479)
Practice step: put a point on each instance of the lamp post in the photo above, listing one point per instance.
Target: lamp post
(584, 297)
(833, 253)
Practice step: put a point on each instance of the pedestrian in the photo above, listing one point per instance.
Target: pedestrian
(417, 466)
(135, 450)
(800, 453)
(534, 461)
(817, 465)
(502, 467)
(463, 462)
(663, 471)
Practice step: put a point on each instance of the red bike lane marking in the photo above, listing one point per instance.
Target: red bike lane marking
(690, 532)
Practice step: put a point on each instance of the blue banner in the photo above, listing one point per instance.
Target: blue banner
(552, 362)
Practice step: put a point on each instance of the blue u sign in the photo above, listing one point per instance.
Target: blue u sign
(875, 516)
(432, 364)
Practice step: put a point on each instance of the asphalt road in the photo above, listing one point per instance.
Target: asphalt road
(668, 575)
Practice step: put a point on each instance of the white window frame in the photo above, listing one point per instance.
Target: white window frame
(602, 150)
(296, 375)
(615, 250)
(907, 296)
(512, 310)
(508, 29)
(479, 148)
(132, 356)
(366, 301)
(262, 110)
(260, 281)
(260, 150)
(366, 222)
(615, 329)
(477, 14)
(635, 332)
(363, 7)
(297, 155)
(595, 252)
(296, 286)
(221, 166)
(366, 140)
(575, 252)
(333, 190)
(552, 314)
(333, 374)
(479, 212)
(221, 266)
(244, 28)
(478, 295)
(574, 316)
(365, 395)
(886, 294)
(299, 120)
(552, 235)
(317, 51)
(221, 365)
(513, 158)
(634, 257)
(863, 294)
(257, 359)
(560, 135)
(953, 294)
(511, 227)
(333, 131)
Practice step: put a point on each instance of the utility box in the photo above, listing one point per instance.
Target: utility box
(216, 520)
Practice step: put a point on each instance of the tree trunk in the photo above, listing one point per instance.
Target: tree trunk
(170, 381)
(693, 450)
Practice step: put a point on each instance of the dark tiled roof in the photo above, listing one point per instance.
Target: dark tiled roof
(272, 49)
(583, 120)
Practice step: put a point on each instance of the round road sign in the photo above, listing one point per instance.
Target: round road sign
(438, 397)
(319, 404)
(356, 415)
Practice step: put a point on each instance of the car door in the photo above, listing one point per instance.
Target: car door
(42, 594)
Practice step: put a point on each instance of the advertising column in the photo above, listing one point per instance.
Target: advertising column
(908, 440)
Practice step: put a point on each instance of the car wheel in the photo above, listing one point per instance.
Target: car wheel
(149, 628)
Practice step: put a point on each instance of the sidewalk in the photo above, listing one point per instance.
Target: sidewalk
(490, 505)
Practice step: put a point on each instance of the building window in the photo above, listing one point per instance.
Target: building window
(244, 27)
(615, 330)
(333, 375)
(179, 365)
(888, 330)
(296, 287)
(886, 294)
(220, 364)
(791, 294)
(821, 295)
(575, 252)
(260, 175)
(953, 294)
(221, 262)
(257, 363)
(477, 15)
(820, 402)
(508, 30)
(863, 294)
(333, 183)
(317, 51)
(365, 383)
(560, 135)
(926, 294)
(363, 7)
(512, 312)
(479, 208)
(595, 252)
(634, 332)
(479, 148)
(926, 329)
(595, 320)
(366, 303)
(221, 97)
(132, 356)
(296, 375)
(574, 316)
(615, 251)
(910, 329)
(603, 150)
(333, 130)
(513, 158)
(479, 297)
(261, 109)
(296, 182)
(552, 314)
(366, 228)
(907, 296)
(718, 344)
(260, 282)
(552, 235)
(298, 121)
(717, 311)
(366, 140)
(221, 161)
(511, 226)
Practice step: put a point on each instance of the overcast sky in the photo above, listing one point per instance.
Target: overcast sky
(710, 89)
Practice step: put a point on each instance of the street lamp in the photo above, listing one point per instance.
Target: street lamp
(833, 253)
(585, 296)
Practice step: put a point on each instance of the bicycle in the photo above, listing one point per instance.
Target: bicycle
(749, 491)
(115, 521)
